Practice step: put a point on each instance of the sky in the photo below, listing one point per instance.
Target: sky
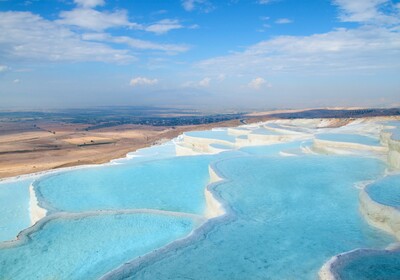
(203, 54)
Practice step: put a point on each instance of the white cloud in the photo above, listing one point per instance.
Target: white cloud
(363, 48)
(95, 20)
(3, 68)
(200, 84)
(189, 5)
(367, 11)
(264, 2)
(29, 36)
(134, 43)
(205, 82)
(91, 19)
(16, 81)
(24, 35)
(221, 77)
(89, 3)
(203, 5)
(283, 21)
(257, 83)
(164, 26)
(193, 26)
(142, 81)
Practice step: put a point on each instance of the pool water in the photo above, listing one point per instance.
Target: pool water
(213, 134)
(86, 247)
(382, 265)
(386, 191)
(14, 208)
(290, 215)
(350, 138)
(175, 184)
(285, 216)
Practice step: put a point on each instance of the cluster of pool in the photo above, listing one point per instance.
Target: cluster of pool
(284, 216)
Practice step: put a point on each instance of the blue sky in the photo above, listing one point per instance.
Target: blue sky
(205, 54)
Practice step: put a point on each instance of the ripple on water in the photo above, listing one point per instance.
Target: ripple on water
(370, 265)
(386, 191)
(86, 247)
(14, 208)
(175, 184)
(291, 215)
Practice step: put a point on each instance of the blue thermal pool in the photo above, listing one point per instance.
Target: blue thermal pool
(350, 138)
(212, 134)
(386, 191)
(374, 265)
(221, 146)
(289, 216)
(264, 131)
(287, 212)
(14, 208)
(174, 184)
(87, 247)
(271, 150)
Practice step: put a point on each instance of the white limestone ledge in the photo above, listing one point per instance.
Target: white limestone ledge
(214, 207)
(389, 140)
(182, 149)
(265, 139)
(381, 216)
(385, 137)
(36, 212)
(393, 157)
(344, 147)
(202, 145)
(330, 269)
(237, 131)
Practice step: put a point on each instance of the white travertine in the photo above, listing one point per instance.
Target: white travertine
(381, 216)
(36, 212)
(394, 153)
(344, 147)
(214, 207)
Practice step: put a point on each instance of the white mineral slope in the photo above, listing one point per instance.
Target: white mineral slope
(36, 212)
(199, 145)
(183, 149)
(237, 131)
(214, 207)
(263, 139)
(325, 273)
(381, 216)
(394, 153)
(202, 143)
(336, 147)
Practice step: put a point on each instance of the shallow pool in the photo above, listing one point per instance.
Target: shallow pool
(213, 134)
(87, 247)
(174, 184)
(386, 191)
(350, 138)
(14, 208)
(289, 216)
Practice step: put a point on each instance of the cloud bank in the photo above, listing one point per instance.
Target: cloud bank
(142, 81)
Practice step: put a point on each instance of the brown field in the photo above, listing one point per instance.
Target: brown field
(27, 148)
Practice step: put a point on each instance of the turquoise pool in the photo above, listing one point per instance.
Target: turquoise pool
(284, 225)
(350, 138)
(212, 134)
(86, 247)
(285, 216)
(14, 208)
(174, 184)
(386, 191)
(370, 265)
